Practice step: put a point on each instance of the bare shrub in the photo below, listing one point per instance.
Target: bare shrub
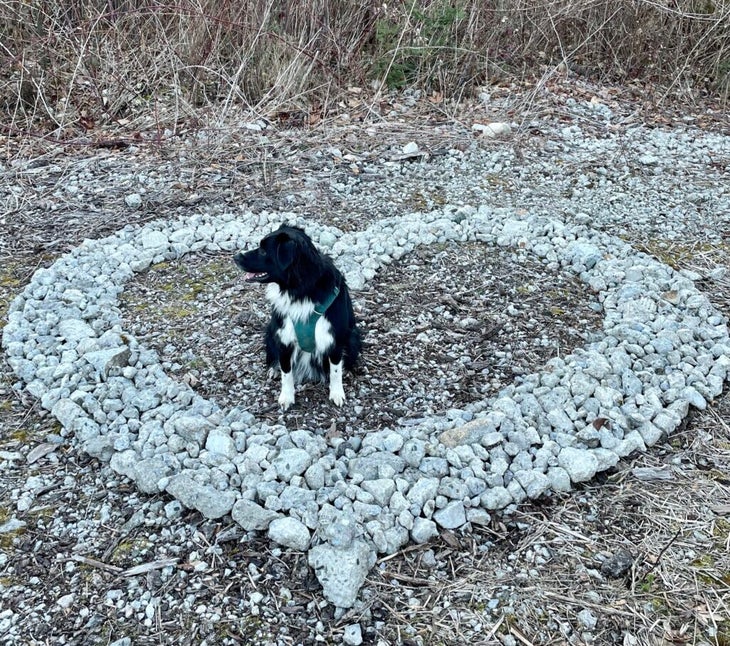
(91, 60)
(138, 63)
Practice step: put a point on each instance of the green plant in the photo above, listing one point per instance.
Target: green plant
(414, 51)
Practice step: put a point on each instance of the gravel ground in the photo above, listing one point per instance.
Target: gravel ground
(88, 559)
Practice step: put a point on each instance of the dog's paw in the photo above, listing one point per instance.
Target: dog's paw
(286, 400)
(337, 396)
(286, 396)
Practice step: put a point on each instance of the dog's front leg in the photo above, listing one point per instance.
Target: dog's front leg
(286, 397)
(337, 392)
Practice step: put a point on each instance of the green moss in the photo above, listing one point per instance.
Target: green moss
(9, 276)
(177, 312)
(196, 364)
(20, 435)
(178, 287)
(647, 583)
(439, 198)
(494, 180)
(9, 281)
(45, 512)
(659, 606)
(703, 561)
(425, 201)
(723, 633)
(193, 293)
(722, 527)
(128, 549)
(7, 538)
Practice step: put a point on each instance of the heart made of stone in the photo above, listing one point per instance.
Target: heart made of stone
(663, 349)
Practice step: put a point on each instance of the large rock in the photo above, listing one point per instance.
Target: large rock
(74, 330)
(68, 413)
(219, 441)
(469, 433)
(423, 530)
(252, 516)
(104, 361)
(342, 571)
(290, 463)
(289, 532)
(148, 473)
(209, 501)
(580, 464)
(192, 428)
(451, 516)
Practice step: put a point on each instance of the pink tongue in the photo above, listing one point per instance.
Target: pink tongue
(248, 276)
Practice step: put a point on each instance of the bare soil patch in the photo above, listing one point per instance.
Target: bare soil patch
(445, 326)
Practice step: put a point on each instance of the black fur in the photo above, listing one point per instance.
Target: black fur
(288, 258)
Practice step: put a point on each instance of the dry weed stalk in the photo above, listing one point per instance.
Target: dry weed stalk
(70, 66)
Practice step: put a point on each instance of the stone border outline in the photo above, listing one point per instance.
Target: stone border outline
(64, 340)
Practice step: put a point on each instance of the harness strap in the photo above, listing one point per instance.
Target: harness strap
(305, 329)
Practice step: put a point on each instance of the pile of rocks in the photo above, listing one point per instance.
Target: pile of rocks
(663, 349)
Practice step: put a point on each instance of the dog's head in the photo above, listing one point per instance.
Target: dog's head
(279, 257)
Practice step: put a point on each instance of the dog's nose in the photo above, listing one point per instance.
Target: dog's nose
(238, 259)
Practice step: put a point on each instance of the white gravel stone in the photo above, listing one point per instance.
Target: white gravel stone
(210, 502)
(252, 516)
(382, 489)
(423, 490)
(75, 330)
(193, 428)
(352, 635)
(342, 571)
(533, 482)
(66, 601)
(68, 413)
(587, 619)
(133, 200)
(104, 361)
(290, 463)
(451, 516)
(496, 498)
(423, 530)
(581, 465)
(219, 441)
(289, 532)
(492, 130)
(410, 148)
(154, 239)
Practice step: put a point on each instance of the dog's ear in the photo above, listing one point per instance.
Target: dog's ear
(285, 250)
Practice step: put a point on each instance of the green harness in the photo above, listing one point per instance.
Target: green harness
(305, 329)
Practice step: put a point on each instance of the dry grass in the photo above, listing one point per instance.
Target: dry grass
(68, 67)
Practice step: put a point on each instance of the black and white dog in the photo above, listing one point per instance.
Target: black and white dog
(312, 333)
